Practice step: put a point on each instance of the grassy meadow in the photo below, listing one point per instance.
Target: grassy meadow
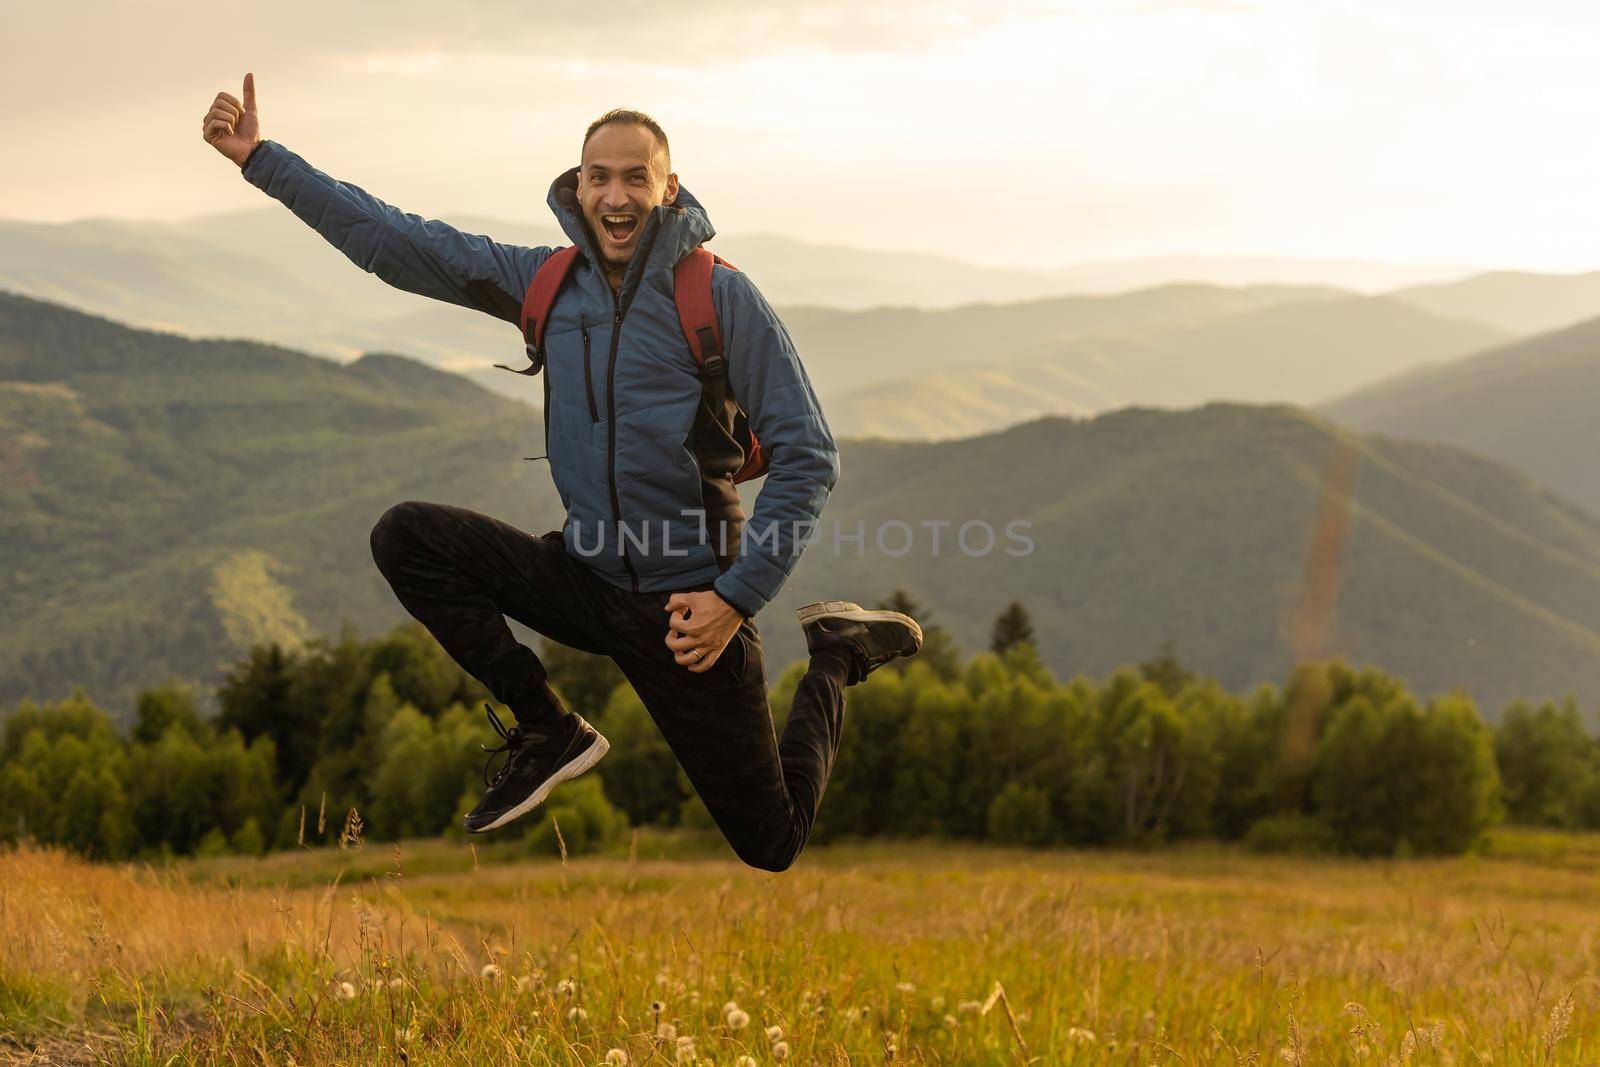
(437, 952)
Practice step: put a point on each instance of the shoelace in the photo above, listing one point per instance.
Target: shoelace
(513, 739)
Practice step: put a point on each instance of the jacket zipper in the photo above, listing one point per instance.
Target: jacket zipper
(617, 311)
(588, 378)
(611, 434)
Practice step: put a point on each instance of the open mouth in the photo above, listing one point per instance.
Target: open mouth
(619, 228)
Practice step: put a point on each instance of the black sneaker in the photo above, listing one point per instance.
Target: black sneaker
(873, 637)
(536, 762)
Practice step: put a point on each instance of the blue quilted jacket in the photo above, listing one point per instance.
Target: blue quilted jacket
(641, 460)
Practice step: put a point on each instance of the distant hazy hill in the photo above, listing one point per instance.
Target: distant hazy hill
(1518, 302)
(1532, 404)
(165, 502)
(263, 274)
(1175, 346)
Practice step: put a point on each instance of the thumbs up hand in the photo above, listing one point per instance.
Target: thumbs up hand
(231, 127)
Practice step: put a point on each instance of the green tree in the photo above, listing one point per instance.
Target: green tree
(584, 682)
(258, 699)
(1548, 764)
(1020, 815)
(640, 774)
(1013, 626)
(1164, 670)
(939, 650)
(171, 704)
(1391, 777)
(587, 821)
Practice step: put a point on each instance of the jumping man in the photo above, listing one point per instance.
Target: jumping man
(655, 565)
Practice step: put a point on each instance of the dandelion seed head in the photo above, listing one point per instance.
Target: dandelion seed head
(616, 1058)
(397, 982)
(737, 1020)
(524, 984)
(490, 973)
(576, 1015)
(345, 991)
(950, 1021)
(774, 1033)
(729, 1008)
(667, 1032)
(780, 1050)
(905, 987)
(566, 987)
(745, 1061)
(937, 1004)
(657, 1007)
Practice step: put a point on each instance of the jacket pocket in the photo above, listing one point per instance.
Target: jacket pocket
(588, 373)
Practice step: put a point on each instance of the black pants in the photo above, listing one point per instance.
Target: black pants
(460, 573)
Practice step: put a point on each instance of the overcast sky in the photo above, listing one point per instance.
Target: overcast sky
(1459, 131)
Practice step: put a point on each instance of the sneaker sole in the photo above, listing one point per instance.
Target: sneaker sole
(844, 609)
(566, 774)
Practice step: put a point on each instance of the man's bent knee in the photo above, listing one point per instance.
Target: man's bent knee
(385, 537)
(776, 857)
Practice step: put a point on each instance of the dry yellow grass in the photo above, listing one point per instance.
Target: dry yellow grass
(862, 954)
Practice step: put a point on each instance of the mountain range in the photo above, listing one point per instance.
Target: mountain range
(889, 339)
(1530, 404)
(167, 501)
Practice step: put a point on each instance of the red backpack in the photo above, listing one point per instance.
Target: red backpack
(691, 291)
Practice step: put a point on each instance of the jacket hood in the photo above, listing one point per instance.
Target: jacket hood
(677, 228)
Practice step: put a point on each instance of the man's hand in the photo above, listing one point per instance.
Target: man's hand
(701, 622)
(233, 128)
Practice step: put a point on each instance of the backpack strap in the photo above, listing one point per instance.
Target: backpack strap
(697, 314)
(536, 304)
(691, 291)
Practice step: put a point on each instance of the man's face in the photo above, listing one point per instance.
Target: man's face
(622, 178)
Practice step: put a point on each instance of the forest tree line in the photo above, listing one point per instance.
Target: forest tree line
(383, 735)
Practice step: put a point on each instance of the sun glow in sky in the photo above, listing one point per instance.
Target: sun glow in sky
(1011, 132)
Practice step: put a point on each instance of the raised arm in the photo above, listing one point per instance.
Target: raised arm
(423, 256)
